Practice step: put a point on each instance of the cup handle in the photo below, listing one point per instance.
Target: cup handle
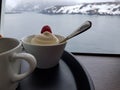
(31, 61)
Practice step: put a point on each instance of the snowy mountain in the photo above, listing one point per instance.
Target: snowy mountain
(86, 8)
(102, 8)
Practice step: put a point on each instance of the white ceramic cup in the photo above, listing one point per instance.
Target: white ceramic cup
(10, 63)
(47, 56)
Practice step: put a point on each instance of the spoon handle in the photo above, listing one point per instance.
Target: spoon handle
(85, 26)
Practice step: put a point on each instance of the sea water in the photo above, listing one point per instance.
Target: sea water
(102, 37)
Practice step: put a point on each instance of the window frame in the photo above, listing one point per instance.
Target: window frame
(76, 53)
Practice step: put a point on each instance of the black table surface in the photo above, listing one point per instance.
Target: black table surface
(69, 74)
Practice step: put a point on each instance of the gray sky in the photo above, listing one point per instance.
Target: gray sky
(13, 3)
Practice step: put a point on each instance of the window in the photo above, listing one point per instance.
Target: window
(0, 12)
(25, 17)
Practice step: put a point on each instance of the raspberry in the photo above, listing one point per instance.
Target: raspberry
(46, 28)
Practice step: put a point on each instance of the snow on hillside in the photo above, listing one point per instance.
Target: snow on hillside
(101, 9)
(106, 8)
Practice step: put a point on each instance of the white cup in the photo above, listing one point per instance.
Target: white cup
(10, 63)
(47, 56)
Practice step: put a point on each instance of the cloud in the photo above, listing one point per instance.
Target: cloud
(12, 3)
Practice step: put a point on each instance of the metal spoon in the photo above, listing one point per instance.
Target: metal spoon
(81, 29)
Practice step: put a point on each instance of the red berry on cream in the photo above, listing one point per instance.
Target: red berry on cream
(46, 28)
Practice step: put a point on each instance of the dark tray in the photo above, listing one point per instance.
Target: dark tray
(69, 74)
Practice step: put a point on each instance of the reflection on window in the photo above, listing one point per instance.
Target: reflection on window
(25, 17)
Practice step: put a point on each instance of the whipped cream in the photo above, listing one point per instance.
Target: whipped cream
(45, 38)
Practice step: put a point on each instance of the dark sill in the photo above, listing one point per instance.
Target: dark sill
(96, 54)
